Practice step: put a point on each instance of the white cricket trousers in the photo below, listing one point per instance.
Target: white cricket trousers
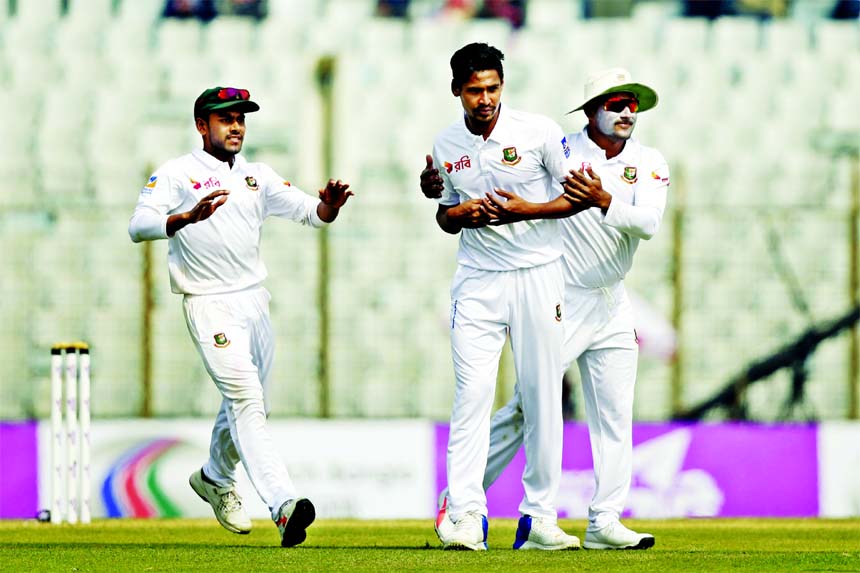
(486, 307)
(234, 337)
(599, 335)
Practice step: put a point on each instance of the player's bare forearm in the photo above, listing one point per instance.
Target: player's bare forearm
(509, 208)
(558, 208)
(177, 222)
(471, 214)
(444, 222)
(326, 212)
(204, 209)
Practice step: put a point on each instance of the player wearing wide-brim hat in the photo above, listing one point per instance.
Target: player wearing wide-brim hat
(616, 81)
(617, 196)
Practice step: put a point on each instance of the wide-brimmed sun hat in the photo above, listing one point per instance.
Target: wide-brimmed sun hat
(617, 80)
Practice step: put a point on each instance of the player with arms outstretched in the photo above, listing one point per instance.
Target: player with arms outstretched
(210, 205)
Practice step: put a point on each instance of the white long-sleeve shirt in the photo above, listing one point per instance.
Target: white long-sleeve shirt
(526, 154)
(598, 248)
(222, 253)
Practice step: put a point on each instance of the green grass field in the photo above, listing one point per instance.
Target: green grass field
(736, 545)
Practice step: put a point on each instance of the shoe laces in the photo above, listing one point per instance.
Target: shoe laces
(230, 502)
(469, 520)
(618, 528)
(548, 527)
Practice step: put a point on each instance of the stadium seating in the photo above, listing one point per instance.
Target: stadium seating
(101, 95)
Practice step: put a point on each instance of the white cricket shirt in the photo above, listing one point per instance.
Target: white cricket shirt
(526, 154)
(222, 253)
(599, 248)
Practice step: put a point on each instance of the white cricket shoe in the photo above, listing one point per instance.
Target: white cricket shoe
(444, 526)
(294, 517)
(469, 532)
(544, 534)
(616, 536)
(225, 502)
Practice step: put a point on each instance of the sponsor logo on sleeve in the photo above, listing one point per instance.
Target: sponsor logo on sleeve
(509, 156)
(150, 185)
(660, 177)
(565, 147)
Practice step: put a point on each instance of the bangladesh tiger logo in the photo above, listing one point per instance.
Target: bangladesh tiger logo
(558, 313)
(221, 340)
(251, 183)
(629, 175)
(509, 156)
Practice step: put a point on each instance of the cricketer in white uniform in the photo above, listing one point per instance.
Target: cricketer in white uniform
(210, 205)
(508, 283)
(623, 184)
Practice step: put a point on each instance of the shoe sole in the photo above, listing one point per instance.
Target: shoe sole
(531, 545)
(458, 546)
(303, 515)
(224, 524)
(645, 543)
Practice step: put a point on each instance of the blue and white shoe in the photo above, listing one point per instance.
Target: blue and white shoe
(469, 532)
(543, 534)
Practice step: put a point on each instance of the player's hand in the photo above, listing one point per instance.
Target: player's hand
(505, 207)
(431, 181)
(335, 193)
(471, 214)
(584, 189)
(207, 206)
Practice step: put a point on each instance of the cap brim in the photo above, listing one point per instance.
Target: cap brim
(647, 97)
(245, 106)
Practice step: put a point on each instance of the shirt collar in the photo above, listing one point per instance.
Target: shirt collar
(500, 130)
(213, 162)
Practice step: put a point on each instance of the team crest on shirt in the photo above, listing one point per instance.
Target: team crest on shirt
(629, 175)
(221, 340)
(251, 183)
(509, 156)
(558, 313)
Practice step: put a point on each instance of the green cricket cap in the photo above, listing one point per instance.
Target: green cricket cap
(221, 98)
